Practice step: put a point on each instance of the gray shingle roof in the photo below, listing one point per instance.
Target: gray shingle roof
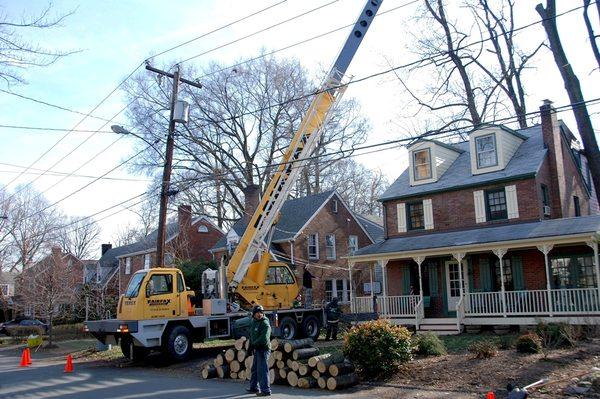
(374, 230)
(525, 162)
(508, 232)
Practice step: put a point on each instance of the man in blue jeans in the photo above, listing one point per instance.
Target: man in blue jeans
(260, 345)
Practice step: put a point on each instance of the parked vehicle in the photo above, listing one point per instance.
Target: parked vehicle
(23, 323)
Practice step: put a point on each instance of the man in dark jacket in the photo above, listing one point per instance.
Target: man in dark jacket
(260, 345)
(333, 313)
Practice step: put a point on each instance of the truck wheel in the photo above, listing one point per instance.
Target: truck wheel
(178, 344)
(311, 327)
(139, 352)
(288, 328)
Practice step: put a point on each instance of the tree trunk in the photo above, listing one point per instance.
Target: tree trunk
(305, 353)
(316, 374)
(324, 363)
(342, 381)
(292, 379)
(322, 381)
(307, 382)
(340, 369)
(223, 371)
(230, 355)
(571, 82)
(235, 366)
(290, 346)
(241, 355)
(209, 372)
(590, 29)
(248, 362)
(239, 343)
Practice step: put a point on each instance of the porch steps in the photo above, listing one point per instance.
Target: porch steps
(439, 326)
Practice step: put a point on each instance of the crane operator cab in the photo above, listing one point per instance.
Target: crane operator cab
(155, 293)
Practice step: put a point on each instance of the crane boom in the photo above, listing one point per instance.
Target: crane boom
(301, 147)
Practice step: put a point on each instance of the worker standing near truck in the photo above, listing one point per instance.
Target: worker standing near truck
(260, 346)
(333, 313)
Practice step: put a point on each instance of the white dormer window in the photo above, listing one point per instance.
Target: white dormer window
(422, 164)
(202, 229)
(485, 147)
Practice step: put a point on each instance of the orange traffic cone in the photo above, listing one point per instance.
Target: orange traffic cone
(24, 362)
(69, 365)
(490, 395)
(28, 353)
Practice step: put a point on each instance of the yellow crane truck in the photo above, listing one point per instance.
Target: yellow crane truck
(157, 311)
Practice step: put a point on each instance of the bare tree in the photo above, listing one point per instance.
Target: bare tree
(47, 289)
(127, 234)
(80, 238)
(590, 29)
(17, 53)
(571, 82)
(147, 216)
(240, 125)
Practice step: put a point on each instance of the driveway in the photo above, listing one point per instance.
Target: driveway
(46, 379)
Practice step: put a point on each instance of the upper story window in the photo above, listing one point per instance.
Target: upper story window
(330, 246)
(127, 265)
(5, 289)
(496, 204)
(313, 246)
(352, 244)
(334, 206)
(202, 229)
(545, 195)
(577, 206)
(422, 164)
(415, 215)
(485, 147)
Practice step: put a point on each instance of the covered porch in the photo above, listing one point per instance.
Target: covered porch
(483, 281)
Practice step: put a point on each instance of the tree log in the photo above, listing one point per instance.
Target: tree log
(296, 364)
(280, 364)
(303, 370)
(247, 344)
(271, 361)
(284, 372)
(324, 362)
(241, 355)
(322, 381)
(209, 371)
(248, 362)
(230, 355)
(233, 375)
(289, 363)
(341, 381)
(292, 379)
(219, 359)
(292, 345)
(305, 353)
(341, 368)
(278, 355)
(235, 366)
(242, 375)
(240, 343)
(315, 374)
(223, 371)
(275, 344)
(307, 382)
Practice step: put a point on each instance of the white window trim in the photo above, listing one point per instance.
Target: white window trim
(327, 246)
(495, 139)
(147, 261)
(345, 294)
(411, 169)
(352, 248)
(128, 265)
(499, 151)
(335, 206)
(202, 229)
(316, 235)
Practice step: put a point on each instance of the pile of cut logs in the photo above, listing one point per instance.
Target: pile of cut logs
(297, 363)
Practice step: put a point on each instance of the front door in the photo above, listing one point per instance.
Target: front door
(453, 283)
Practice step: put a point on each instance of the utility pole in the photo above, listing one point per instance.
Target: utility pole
(166, 180)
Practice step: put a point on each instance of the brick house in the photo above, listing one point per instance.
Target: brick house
(187, 239)
(7, 292)
(316, 232)
(521, 199)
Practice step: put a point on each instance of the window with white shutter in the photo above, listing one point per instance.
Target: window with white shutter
(479, 200)
(428, 213)
(512, 204)
(401, 217)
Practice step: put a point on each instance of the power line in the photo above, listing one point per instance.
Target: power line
(55, 129)
(258, 31)
(380, 13)
(56, 173)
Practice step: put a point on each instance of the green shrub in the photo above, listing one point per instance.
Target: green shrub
(484, 349)
(429, 344)
(378, 348)
(24, 331)
(506, 342)
(69, 331)
(558, 335)
(529, 343)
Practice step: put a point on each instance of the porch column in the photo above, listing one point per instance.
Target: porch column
(419, 260)
(459, 256)
(545, 249)
(594, 244)
(500, 252)
(350, 266)
(384, 307)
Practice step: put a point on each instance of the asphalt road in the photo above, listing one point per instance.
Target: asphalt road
(46, 379)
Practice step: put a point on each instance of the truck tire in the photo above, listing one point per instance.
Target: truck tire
(288, 328)
(311, 327)
(177, 344)
(139, 352)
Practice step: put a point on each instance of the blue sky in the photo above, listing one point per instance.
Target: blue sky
(115, 36)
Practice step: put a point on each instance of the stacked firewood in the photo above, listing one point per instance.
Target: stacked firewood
(296, 363)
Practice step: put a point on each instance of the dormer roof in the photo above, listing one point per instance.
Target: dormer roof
(525, 162)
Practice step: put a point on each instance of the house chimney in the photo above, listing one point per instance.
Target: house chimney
(552, 141)
(184, 216)
(251, 200)
(57, 251)
(106, 248)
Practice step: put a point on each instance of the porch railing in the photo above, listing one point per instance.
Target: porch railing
(391, 306)
(572, 301)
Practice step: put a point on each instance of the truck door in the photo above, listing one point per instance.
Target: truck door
(278, 281)
(161, 300)
(181, 296)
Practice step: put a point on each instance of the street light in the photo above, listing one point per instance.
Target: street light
(121, 130)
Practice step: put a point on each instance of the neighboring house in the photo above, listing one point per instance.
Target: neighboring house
(316, 232)
(7, 292)
(187, 239)
(500, 229)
